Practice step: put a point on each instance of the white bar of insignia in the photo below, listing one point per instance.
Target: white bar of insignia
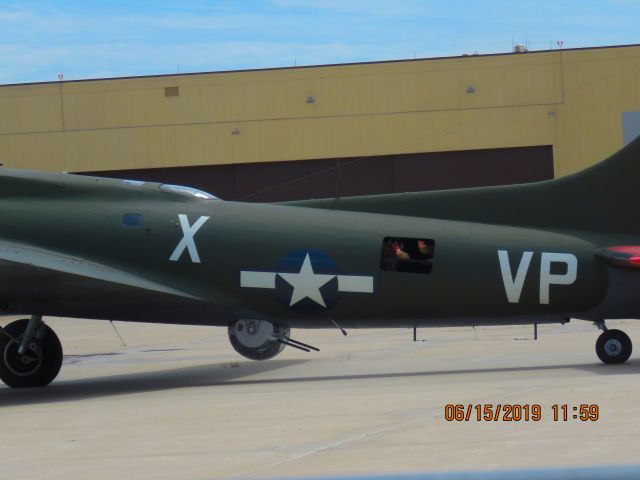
(257, 279)
(354, 283)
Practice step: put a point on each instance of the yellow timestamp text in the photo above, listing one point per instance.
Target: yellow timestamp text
(519, 412)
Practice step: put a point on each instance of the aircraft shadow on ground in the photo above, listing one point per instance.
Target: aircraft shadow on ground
(232, 374)
(210, 374)
(630, 367)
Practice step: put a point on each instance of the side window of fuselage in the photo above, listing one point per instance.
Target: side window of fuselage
(408, 255)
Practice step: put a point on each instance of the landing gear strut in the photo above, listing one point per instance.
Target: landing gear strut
(30, 353)
(612, 346)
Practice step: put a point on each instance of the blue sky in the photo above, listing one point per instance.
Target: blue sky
(87, 39)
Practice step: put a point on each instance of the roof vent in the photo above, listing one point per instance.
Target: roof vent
(171, 91)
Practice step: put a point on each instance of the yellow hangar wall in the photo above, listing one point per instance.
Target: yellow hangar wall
(570, 99)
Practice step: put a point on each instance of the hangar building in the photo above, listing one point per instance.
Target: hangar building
(323, 131)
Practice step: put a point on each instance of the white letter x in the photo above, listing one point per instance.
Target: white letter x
(187, 240)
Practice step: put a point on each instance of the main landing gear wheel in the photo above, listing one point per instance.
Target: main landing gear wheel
(613, 346)
(40, 362)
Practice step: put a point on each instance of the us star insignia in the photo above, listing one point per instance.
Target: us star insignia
(307, 280)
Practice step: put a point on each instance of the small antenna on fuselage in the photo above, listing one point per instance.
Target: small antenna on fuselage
(344, 332)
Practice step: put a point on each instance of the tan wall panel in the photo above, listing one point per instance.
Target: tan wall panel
(117, 107)
(26, 109)
(200, 144)
(203, 144)
(81, 148)
(9, 149)
(571, 99)
(249, 96)
(598, 86)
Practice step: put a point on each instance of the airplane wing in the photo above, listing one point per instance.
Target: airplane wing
(29, 256)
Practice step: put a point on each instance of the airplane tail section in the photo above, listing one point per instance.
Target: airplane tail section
(604, 197)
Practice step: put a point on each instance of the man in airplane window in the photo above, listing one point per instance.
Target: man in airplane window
(423, 248)
(392, 254)
(398, 251)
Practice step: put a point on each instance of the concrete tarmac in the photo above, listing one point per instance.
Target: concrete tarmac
(178, 402)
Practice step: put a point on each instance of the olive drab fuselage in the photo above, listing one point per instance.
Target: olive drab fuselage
(305, 267)
(125, 250)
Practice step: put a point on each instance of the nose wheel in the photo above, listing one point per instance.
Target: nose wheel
(33, 361)
(613, 346)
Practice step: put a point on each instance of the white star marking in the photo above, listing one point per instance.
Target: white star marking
(306, 283)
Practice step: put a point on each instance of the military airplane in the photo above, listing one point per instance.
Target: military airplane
(97, 248)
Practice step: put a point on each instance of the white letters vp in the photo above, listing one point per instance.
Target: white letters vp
(187, 242)
(513, 286)
(547, 278)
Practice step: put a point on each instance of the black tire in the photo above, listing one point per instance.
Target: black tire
(613, 346)
(45, 361)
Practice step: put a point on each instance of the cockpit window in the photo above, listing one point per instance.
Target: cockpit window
(410, 255)
(133, 183)
(187, 191)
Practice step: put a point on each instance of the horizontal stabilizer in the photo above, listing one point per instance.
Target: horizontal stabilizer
(626, 256)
